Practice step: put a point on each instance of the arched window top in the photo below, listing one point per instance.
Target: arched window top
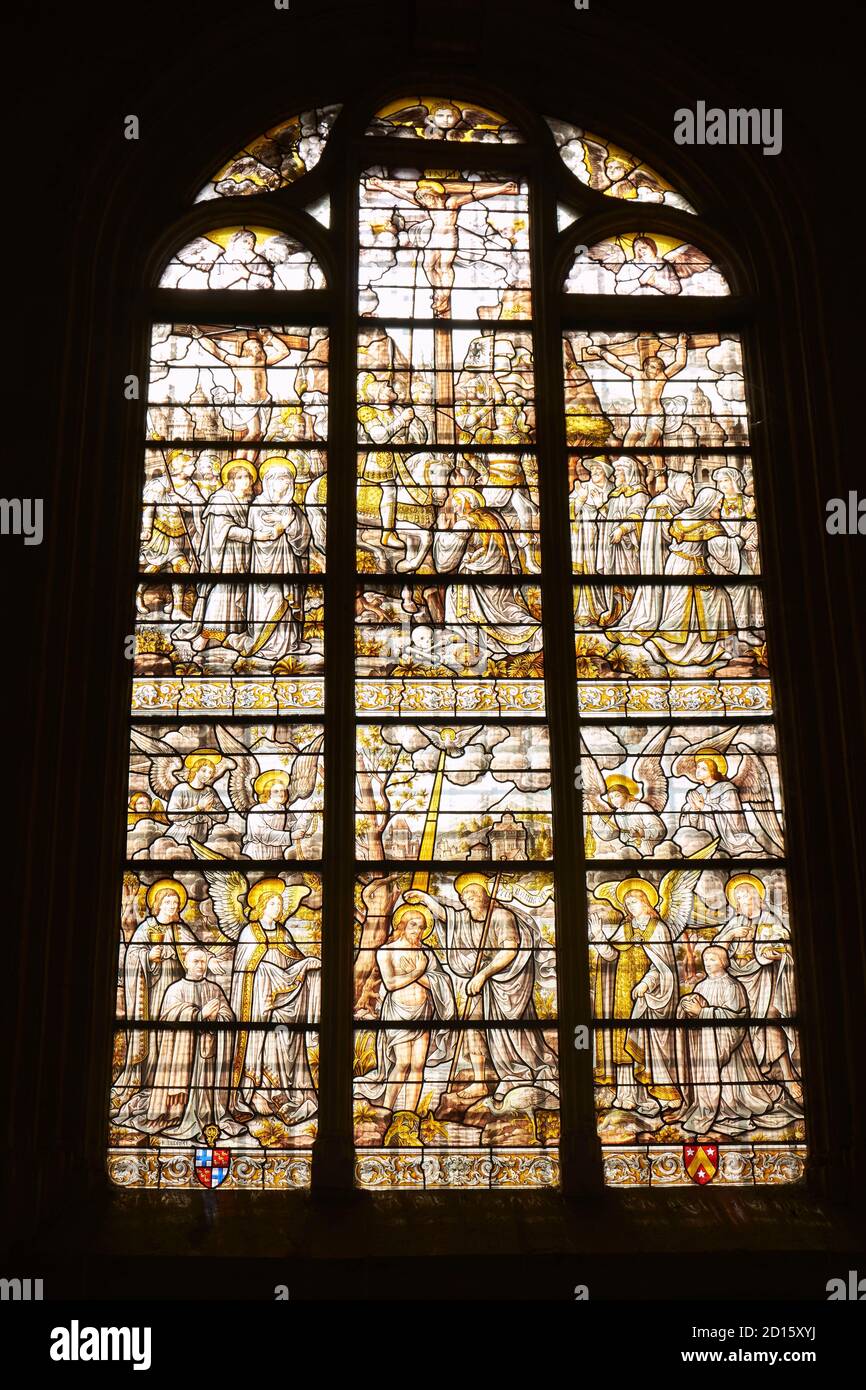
(443, 118)
(243, 258)
(643, 263)
(275, 159)
(611, 170)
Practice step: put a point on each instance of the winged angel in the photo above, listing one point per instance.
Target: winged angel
(731, 799)
(644, 272)
(635, 979)
(260, 798)
(273, 982)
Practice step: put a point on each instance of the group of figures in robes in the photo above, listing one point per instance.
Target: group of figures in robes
(701, 1040)
(472, 957)
(218, 1035)
(619, 528)
(244, 532)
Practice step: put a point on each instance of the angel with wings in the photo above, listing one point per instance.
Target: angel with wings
(624, 811)
(273, 982)
(443, 120)
(644, 272)
(185, 784)
(732, 799)
(635, 978)
(262, 798)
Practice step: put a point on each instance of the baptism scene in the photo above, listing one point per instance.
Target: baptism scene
(455, 1073)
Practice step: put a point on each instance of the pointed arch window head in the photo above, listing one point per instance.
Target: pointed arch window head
(243, 258)
(443, 118)
(275, 159)
(631, 263)
(611, 170)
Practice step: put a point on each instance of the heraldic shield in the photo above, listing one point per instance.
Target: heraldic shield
(211, 1165)
(701, 1162)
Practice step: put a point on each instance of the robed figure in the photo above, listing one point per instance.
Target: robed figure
(722, 1085)
(273, 982)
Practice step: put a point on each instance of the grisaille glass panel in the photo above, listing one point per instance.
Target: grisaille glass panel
(674, 390)
(691, 629)
(442, 118)
(610, 170)
(242, 384)
(247, 791)
(192, 497)
(681, 790)
(442, 244)
(438, 791)
(199, 950)
(455, 512)
(445, 386)
(228, 628)
(640, 263)
(243, 258)
(275, 159)
(742, 912)
(432, 1103)
(644, 515)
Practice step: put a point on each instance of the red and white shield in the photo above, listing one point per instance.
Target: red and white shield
(701, 1162)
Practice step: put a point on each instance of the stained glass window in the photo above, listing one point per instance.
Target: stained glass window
(482, 604)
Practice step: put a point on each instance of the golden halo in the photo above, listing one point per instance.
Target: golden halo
(238, 463)
(618, 779)
(433, 184)
(405, 908)
(636, 885)
(474, 496)
(278, 461)
(204, 755)
(712, 755)
(735, 882)
(261, 891)
(163, 885)
(266, 780)
(466, 880)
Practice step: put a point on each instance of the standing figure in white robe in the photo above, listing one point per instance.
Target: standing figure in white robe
(723, 1089)
(737, 517)
(272, 831)
(280, 544)
(758, 942)
(224, 549)
(697, 623)
(586, 501)
(190, 1087)
(620, 521)
(151, 964)
(500, 953)
(645, 610)
(417, 990)
(273, 982)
